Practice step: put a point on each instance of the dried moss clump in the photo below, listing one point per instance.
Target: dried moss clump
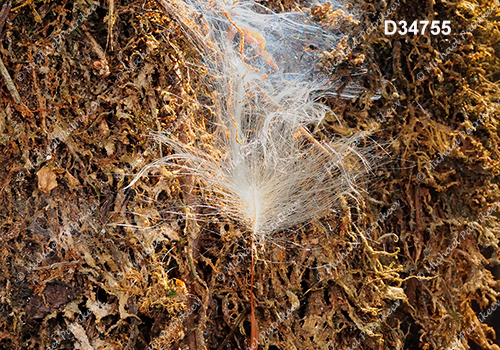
(86, 264)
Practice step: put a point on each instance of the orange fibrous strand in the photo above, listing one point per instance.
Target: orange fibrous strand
(254, 39)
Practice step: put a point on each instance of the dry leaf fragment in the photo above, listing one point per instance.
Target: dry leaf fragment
(109, 146)
(72, 181)
(395, 293)
(47, 179)
(104, 128)
(80, 335)
(99, 310)
(174, 236)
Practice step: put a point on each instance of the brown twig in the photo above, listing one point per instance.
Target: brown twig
(111, 22)
(103, 64)
(10, 84)
(254, 338)
(3, 15)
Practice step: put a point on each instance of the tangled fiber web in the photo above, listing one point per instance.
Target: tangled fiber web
(260, 155)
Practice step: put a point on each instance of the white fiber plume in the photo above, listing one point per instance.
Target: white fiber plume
(260, 158)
